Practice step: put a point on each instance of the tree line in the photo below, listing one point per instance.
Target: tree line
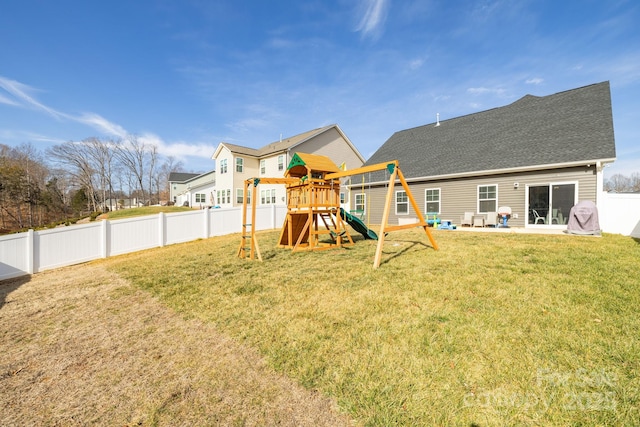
(73, 179)
(619, 183)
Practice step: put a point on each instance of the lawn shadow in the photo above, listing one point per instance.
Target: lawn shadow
(404, 250)
(10, 285)
(636, 239)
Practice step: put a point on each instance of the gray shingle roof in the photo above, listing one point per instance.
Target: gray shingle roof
(571, 126)
(276, 146)
(181, 176)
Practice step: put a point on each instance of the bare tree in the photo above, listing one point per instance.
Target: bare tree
(136, 156)
(73, 157)
(153, 158)
(101, 154)
(618, 183)
(634, 183)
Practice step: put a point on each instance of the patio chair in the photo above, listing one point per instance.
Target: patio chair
(492, 219)
(467, 219)
(538, 217)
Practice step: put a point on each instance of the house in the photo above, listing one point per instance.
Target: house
(538, 156)
(235, 163)
(192, 189)
(115, 204)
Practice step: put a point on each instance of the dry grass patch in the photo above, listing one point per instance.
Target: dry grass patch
(82, 346)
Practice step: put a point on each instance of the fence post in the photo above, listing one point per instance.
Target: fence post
(161, 220)
(273, 216)
(206, 223)
(105, 238)
(30, 251)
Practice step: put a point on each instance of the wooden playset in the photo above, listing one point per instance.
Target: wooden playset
(315, 220)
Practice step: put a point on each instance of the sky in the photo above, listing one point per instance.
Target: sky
(187, 75)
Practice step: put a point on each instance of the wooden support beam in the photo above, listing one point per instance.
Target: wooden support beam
(385, 218)
(364, 169)
(416, 209)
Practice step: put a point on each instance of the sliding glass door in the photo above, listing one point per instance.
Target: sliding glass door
(550, 204)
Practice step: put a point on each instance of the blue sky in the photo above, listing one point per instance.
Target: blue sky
(189, 74)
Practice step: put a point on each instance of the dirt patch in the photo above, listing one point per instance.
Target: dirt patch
(80, 345)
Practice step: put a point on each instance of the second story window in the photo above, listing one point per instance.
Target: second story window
(281, 162)
(263, 167)
(239, 164)
(223, 166)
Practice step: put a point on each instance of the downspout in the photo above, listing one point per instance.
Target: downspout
(599, 182)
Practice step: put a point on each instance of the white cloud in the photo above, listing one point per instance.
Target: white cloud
(416, 63)
(5, 100)
(485, 90)
(22, 98)
(178, 149)
(375, 13)
(534, 81)
(101, 124)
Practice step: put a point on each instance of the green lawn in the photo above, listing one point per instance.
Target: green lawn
(145, 210)
(492, 329)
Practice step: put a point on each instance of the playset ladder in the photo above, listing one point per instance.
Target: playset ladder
(249, 243)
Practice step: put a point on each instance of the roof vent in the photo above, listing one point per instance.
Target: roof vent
(437, 119)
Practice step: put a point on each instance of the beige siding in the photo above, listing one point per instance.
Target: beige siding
(251, 169)
(460, 195)
(333, 145)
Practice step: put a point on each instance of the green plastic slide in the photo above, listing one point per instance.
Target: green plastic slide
(358, 225)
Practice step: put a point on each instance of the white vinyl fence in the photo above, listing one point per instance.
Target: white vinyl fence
(619, 213)
(36, 251)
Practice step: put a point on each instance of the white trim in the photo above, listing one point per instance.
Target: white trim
(439, 199)
(548, 184)
(478, 197)
(396, 202)
(364, 201)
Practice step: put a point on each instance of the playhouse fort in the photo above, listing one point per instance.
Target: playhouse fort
(315, 220)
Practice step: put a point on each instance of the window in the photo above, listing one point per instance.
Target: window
(201, 198)
(239, 196)
(264, 197)
(228, 196)
(281, 162)
(432, 200)
(360, 202)
(263, 167)
(343, 198)
(550, 204)
(239, 164)
(223, 166)
(487, 198)
(402, 203)
(273, 195)
(218, 197)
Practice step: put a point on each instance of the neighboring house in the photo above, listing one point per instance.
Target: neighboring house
(235, 164)
(539, 156)
(195, 190)
(116, 204)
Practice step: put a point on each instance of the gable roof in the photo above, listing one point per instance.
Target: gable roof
(283, 144)
(181, 176)
(555, 130)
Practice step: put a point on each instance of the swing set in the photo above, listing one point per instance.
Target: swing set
(314, 212)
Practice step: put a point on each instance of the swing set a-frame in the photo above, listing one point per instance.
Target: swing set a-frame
(315, 220)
